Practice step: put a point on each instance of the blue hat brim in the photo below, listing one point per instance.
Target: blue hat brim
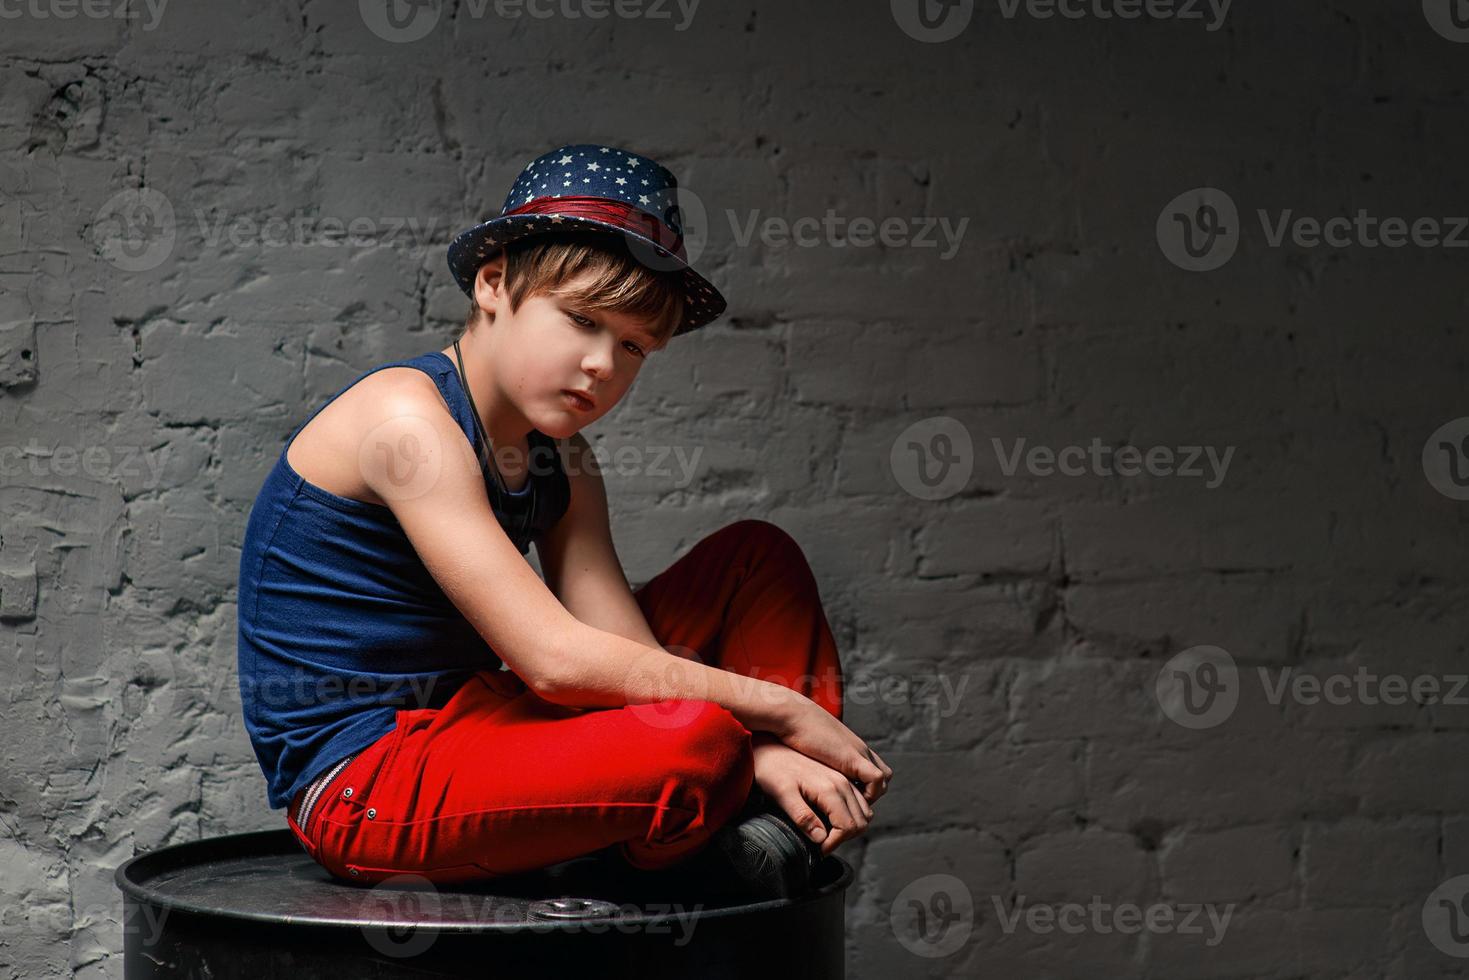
(703, 303)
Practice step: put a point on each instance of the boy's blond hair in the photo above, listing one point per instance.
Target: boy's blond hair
(593, 269)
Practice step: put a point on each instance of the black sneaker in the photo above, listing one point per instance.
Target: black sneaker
(768, 857)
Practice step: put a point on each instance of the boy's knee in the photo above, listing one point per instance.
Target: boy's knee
(717, 723)
(692, 720)
(700, 740)
(714, 734)
(724, 745)
(767, 538)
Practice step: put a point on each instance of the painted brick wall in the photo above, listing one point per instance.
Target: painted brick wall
(1093, 673)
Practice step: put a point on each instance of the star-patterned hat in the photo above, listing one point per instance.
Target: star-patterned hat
(601, 188)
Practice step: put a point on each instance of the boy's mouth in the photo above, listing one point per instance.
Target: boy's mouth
(578, 400)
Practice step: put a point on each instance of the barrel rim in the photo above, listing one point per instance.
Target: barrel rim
(132, 874)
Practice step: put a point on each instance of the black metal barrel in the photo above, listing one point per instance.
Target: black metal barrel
(255, 906)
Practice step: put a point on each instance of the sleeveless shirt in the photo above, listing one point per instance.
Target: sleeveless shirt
(341, 624)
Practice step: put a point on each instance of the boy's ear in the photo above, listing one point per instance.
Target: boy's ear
(489, 282)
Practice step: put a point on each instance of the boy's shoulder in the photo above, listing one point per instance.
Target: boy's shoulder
(390, 390)
(326, 451)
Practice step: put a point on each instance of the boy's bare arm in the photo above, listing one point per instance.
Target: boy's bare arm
(580, 561)
(415, 457)
(603, 670)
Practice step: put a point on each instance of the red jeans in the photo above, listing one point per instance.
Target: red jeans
(499, 781)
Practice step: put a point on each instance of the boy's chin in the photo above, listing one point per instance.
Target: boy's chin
(561, 425)
(561, 422)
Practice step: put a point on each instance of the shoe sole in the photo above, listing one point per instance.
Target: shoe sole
(767, 857)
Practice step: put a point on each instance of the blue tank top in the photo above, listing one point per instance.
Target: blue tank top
(340, 622)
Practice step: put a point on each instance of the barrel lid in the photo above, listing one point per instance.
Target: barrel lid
(267, 877)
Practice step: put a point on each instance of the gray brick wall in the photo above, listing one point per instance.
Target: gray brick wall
(1067, 798)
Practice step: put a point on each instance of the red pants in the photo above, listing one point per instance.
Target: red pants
(499, 781)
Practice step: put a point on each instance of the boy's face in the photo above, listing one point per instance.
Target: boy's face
(554, 345)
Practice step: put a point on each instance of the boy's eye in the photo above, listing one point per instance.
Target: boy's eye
(582, 321)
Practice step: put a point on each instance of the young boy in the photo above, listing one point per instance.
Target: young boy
(383, 585)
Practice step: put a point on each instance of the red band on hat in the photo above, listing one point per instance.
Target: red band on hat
(624, 216)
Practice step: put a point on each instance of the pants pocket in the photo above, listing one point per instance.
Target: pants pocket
(365, 772)
(308, 845)
(350, 801)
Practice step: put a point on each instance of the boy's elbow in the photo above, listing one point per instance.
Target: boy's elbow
(549, 674)
(543, 684)
(564, 685)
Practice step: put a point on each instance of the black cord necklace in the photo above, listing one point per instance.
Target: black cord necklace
(493, 466)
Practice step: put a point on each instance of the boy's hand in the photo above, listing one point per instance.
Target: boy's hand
(798, 784)
(815, 733)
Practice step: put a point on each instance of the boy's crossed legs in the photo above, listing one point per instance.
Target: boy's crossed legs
(500, 781)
